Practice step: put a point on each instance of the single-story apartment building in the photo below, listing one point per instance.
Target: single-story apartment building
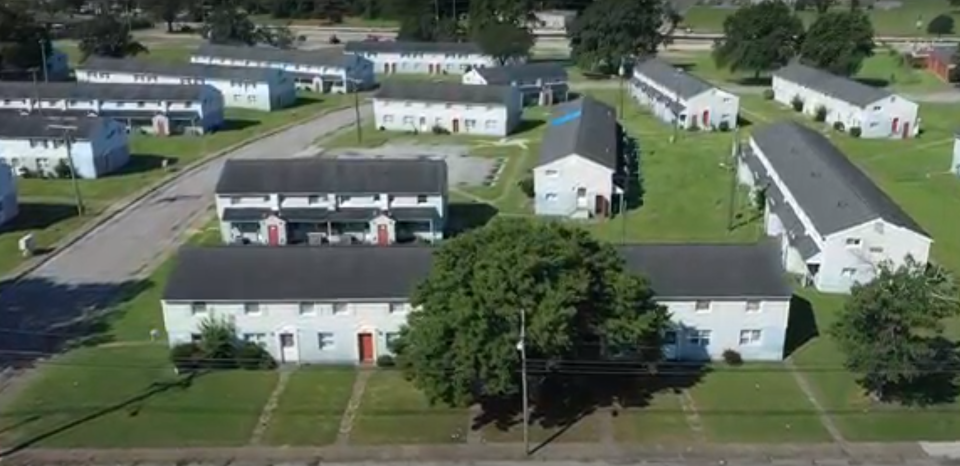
(834, 224)
(580, 169)
(242, 87)
(938, 59)
(39, 145)
(150, 108)
(323, 70)
(682, 99)
(312, 200)
(878, 112)
(8, 193)
(450, 107)
(393, 57)
(345, 305)
(539, 83)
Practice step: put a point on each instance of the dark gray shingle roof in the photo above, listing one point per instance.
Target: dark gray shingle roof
(412, 47)
(264, 273)
(841, 88)
(87, 91)
(526, 73)
(586, 127)
(186, 70)
(308, 175)
(710, 270)
(445, 92)
(833, 192)
(680, 82)
(38, 127)
(332, 57)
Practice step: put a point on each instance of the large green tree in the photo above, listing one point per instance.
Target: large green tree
(504, 41)
(758, 38)
(229, 25)
(107, 36)
(167, 10)
(486, 13)
(461, 344)
(839, 42)
(891, 329)
(22, 40)
(941, 25)
(611, 31)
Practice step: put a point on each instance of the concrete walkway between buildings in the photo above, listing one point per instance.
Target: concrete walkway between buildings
(502, 454)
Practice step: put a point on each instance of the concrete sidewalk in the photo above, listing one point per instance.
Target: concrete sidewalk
(774, 454)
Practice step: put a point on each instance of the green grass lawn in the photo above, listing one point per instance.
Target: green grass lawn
(167, 53)
(584, 430)
(662, 422)
(393, 411)
(698, 165)
(311, 406)
(882, 69)
(349, 21)
(895, 22)
(122, 397)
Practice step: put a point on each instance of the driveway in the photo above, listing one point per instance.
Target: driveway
(65, 296)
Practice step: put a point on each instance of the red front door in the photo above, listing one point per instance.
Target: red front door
(383, 236)
(906, 130)
(895, 127)
(456, 125)
(365, 347)
(706, 118)
(273, 235)
(601, 205)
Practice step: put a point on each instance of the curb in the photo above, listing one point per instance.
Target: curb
(122, 205)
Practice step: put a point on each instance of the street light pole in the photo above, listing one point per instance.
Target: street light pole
(78, 197)
(522, 346)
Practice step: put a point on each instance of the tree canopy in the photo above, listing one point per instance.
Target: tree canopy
(839, 42)
(461, 344)
(759, 37)
(167, 10)
(228, 25)
(106, 36)
(941, 25)
(891, 331)
(611, 31)
(504, 41)
(22, 40)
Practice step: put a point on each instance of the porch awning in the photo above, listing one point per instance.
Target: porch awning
(806, 246)
(233, 214)
(308, 215)
(790, 220)
(414, 214)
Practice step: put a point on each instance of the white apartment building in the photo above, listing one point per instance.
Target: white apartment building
(8, 194)
(677, 97)
(43, 146)
(254, 88)
(322, 70)
(403, 57)
(449, 107)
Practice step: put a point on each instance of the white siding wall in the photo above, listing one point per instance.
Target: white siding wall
(105, 150)
(8, 194)
(481, 119)
(725, 320)
(878, 242)
(418, 63)
(717, 105)
(352, 68)
(556, 185)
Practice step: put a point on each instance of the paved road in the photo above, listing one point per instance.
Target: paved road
(80, 281)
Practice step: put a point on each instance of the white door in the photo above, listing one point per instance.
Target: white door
(669, 343)
(581, 198)
(288, 348)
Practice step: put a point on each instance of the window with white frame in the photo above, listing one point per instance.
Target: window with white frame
(408, 120)
(878, 227)
(848, 272)
(390, 338)
(421, 199)
(252, 309)
(398, 308)
(490, 124)
(670, 337)
(702, 306)
(198, 308)
(876, 250)
(340, 309)
(251, 98)
(308, 309)
(552, 173)
(388, 118)
(471, 123)
(699, 338)
(313, 199)
(750, 337)
(325, 340)
(753, 306)
(550, 196)
(853, 242)
(258, 338)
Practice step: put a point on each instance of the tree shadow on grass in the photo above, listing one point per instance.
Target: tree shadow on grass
(565, 393)
(801, 326)
(142, 163)
(38, 216)
(528, 124)
(156, 388)
(874, 82)
(937, 384)
(40, 318)
(765, 81)
(463, 217)
(237, 124)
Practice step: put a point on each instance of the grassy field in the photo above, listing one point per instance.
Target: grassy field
(900, 21)
(884, 69)
(169, 53)
(311, 407)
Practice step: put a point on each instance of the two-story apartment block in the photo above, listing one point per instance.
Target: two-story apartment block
(448, 107)
(835, 225)
(345, 305)
(325, 70)
(878, 112)
(255, 88)
(392, 57)
(8, 193)
(341, 201)
(45, 146)
(539, 83)
(156, 109)
(580, 161)
(679, 98)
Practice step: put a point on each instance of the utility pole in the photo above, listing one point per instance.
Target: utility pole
(436, 10)
(73, 168)
(733, 180)
(623, 212)
(622, 71)
(356, 107)
(43, 56)
(522, 347)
